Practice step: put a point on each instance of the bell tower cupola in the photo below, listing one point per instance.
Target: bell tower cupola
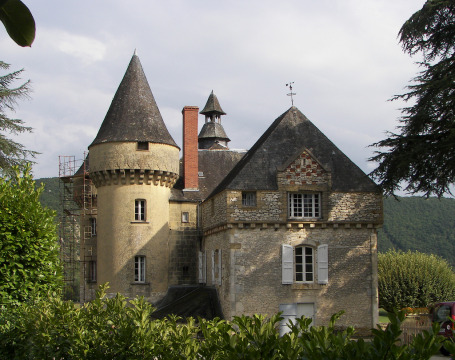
(212, 135)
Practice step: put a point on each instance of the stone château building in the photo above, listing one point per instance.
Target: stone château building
(290, 225)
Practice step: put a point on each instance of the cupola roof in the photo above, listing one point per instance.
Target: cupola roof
(212, 106)
(133, 115)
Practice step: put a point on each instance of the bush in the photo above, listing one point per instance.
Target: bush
(29, 252)
(413, 279)
(119, 329)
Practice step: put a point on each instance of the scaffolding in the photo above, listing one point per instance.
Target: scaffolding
(76, 228)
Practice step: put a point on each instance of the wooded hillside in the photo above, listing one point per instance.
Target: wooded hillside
(410, 223)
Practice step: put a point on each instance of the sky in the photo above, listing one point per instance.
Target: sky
(342, 55)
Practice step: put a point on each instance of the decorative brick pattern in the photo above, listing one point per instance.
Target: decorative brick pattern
(304, 170)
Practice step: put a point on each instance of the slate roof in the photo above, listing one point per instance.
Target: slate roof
(133, 114)
(212, 129)
(214, 165)
(212, 106)
(288, 135)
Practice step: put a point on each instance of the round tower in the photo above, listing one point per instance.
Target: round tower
(134, 163)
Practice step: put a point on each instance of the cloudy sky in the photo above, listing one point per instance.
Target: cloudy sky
(342, 55)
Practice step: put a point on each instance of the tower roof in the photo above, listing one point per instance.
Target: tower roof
(212, 106)
(133, 114)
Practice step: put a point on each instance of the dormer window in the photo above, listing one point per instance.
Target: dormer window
(142, 145)
(303, 205)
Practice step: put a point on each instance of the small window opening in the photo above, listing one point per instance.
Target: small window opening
(143, 145)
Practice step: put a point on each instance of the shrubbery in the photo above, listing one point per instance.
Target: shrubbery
(413, 279)
(29, 251)
(118, 329)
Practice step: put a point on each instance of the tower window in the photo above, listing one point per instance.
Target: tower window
(139, 268)
(139, 210)
(143, 145)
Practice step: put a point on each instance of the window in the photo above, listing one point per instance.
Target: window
(92, 271)
(139, 268)
(248, 198)
(216, 266)
(143, 145)
(304, 205)
(139, 210)
(290, 312)
(93, 226)
(185, 217)
(303, 260)
(202, 267)
(298, 264)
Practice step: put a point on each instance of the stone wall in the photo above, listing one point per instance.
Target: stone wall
(252, 272)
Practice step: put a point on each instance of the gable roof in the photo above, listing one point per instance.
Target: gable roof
(133, 114)
(288, 134)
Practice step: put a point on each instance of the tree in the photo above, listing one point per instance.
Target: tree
(413, 279)
(11, 152)
(18, 21)
(29, 252)
(421, 156)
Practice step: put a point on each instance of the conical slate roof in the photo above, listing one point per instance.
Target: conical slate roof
(290, 133)
(212, 106)
(133, 114)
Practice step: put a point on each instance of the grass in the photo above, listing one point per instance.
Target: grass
(383, 316)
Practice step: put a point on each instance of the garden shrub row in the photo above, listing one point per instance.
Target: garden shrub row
(115, 328)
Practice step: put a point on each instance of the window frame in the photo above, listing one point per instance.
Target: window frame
(93, 226)
(92, 271)
(304, 205)
(185, 217)
(249, 198)
(140, 210)
(139, 269)
(302, 265)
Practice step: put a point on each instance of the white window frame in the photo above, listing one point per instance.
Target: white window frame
(304, 264)
(140, 206)
(93, 226)
(304, 205)
(320, 270)
(139, 269)
(248, 198)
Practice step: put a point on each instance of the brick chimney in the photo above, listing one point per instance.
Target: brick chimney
(190, 148)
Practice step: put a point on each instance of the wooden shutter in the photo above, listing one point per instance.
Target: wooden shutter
(201, 267)
(213, 268)
(287, 264)
(219, 267)
(323, 264)
(289, 313)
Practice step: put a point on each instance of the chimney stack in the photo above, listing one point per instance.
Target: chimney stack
(190, 148)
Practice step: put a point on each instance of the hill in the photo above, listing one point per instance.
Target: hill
(415, 223)
(410, 223)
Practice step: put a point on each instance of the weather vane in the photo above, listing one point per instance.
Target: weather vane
(291, 93)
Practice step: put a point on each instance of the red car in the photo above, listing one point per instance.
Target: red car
(442, 313)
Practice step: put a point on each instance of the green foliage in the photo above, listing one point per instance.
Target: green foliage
(413, 279)
(422, 154)
(29, 257)
(18, 21)
(114, 328)
(419, 224)
(11, 152)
